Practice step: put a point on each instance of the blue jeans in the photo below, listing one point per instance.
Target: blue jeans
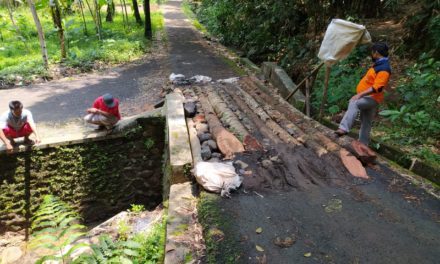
(367, 106)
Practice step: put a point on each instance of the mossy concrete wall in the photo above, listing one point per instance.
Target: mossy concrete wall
(99, 178)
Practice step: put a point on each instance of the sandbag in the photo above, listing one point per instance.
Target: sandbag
(340, 39)
(217, 177)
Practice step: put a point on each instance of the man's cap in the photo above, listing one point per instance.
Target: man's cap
(381, 48)
(109, 101)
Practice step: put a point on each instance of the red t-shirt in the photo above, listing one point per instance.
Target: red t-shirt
(99, 104)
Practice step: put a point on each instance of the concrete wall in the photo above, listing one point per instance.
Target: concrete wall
(99, 178)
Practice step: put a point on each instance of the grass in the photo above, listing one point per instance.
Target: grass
(221, 247)
(22, 61)
(153, 244)
(186, 7)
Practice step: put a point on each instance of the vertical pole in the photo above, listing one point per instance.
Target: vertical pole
(324, 94)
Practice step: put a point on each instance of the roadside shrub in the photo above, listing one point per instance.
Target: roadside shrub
(419, 115)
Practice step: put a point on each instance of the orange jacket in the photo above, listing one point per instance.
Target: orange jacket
(376, 77)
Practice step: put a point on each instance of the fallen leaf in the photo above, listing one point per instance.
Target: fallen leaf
(259, 248)
(259, 230)
(307, 255)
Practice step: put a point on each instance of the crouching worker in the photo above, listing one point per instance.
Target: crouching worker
(16, 123)
(104, 113)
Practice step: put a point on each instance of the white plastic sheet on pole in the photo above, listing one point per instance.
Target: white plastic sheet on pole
(340, 39)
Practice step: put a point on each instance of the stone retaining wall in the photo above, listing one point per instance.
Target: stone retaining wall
(99, 178)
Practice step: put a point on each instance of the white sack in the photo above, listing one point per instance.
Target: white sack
(340, 39)
(217, 177)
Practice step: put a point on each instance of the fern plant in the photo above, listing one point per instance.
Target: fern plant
(55, 228)
(108, 251)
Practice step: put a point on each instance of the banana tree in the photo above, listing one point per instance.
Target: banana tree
(56, 12)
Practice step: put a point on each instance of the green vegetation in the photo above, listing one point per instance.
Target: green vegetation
(290, 33)
(142, 248)
(220, 248)
(137, 208)
(21, 57)
(99, 171)
(187, 9)
(55, 226)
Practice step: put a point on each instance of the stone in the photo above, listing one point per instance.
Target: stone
(11, 255)
(241, 164)
(145, 173)
(4, 242)
(204, 137)
(202, 128)
(216, 155)
(266, 164)
(211, 143)
(190, 109)
(205, 152)
(276, 159)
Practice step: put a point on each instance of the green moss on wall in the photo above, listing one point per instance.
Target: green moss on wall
(99, 178)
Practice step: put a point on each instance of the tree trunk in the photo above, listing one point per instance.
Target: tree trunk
(110, 11)
(148, 31)
(81, 6)
(124, 10)
(136, 12)
(98, 21)
(97, 28)
(56, 16)
(40, 33)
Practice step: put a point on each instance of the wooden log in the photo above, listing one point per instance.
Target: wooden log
(228, 117)
(227, 143)
(315, 140)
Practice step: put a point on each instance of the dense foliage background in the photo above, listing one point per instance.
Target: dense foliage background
(290, 33)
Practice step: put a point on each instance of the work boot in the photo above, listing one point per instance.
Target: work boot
(340, 132)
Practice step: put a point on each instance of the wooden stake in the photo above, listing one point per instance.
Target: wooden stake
(324, 94)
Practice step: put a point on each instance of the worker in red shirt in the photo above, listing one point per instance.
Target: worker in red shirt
(369, 94)
(105, 112)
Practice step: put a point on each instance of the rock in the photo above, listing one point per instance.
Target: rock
(145, 173)
(276, 159)
(205, 152)
(201, 128)
(204, 137)
(216, 155)
(241, 164)
(266, 164)
(291, 131)
(11, 255)
(190, 109)
(211, 143)
(4, 242)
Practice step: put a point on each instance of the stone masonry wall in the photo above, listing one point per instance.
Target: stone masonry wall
(99, 178)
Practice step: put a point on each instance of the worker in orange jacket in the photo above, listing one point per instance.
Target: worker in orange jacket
(369, 94)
